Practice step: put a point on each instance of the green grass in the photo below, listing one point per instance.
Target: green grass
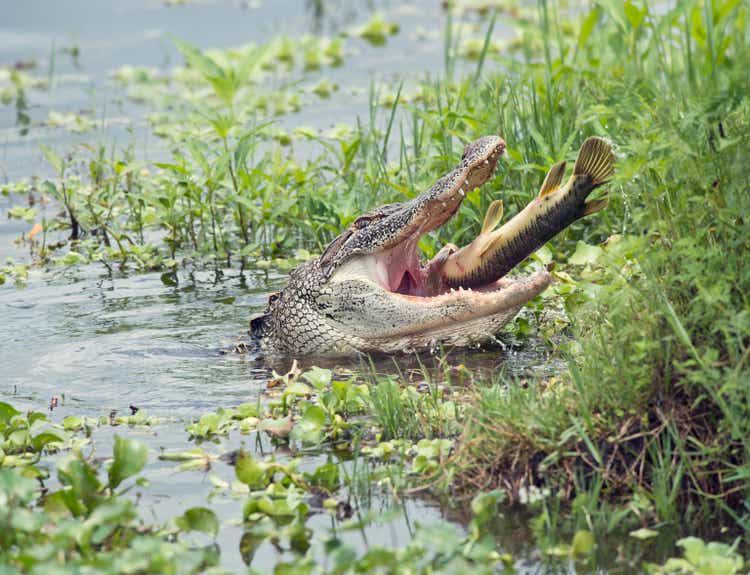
(656, 399)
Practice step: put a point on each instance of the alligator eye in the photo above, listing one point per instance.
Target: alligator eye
(273, 298)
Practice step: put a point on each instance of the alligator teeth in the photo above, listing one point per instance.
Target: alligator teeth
(461, 191)
(486, 162)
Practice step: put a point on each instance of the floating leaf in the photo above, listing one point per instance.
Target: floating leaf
(377, 30)
(130, 456)
(311, 427)
(198, 519)
(253, 473)
(73, 423)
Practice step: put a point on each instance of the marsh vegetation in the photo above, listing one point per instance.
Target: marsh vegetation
(609, 433)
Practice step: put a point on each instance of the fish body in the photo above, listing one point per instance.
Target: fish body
(497, 251)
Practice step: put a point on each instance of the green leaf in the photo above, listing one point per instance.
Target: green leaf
(634, 14)
(377, 30)
(711, 558)
(326, 476)
(615, 11)
(583, 544)
(246, 410)
(253, 473)
(484, 505)
(198, 60)
(107, 517)
(43, 439)
(72, 423)
(190, 454)
(81, 477)
(644, 533)
(130, 457)
(310, 428)
(198, 519)
(585, 254)
(318, 377)
(71, 258)
(7, 411)
(53, 158)
(15, 489)
(587, 27)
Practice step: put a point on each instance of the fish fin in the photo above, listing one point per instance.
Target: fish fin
(553, 179)
(492, 217)
(594, 206)
(596, 159)
(489, 241)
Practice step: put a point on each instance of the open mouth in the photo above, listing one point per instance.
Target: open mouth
(398, 269)
(401, 272)
(471, 280)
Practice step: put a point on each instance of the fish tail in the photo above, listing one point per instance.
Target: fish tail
(596, 159)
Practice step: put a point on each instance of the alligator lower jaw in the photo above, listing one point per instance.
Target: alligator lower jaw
(502, 295)
(398, 272)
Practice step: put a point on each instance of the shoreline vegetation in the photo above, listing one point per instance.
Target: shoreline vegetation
(644, 435)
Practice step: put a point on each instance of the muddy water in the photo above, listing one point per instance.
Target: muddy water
(103, 343)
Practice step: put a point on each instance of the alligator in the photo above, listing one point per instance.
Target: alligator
(369, 292)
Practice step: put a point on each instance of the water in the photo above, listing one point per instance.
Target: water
(103, 342)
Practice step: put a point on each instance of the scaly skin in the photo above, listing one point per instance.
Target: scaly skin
(368, 291)
(312, 316)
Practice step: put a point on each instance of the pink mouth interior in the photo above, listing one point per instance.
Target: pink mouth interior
(400, 271)
(402, 268)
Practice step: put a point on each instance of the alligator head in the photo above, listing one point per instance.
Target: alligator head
(370, 292)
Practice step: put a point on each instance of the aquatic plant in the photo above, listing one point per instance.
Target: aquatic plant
(86, 523)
